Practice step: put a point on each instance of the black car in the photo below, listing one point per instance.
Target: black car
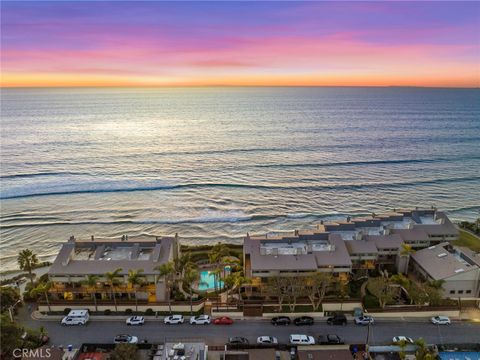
(237, 340)
(303, 320)
(337, 319)
(281, 320)
(329, 339)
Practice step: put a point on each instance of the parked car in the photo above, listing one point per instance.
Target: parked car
(398, 339)
(337, 319)
(174, 319)
(200, 320)
(303, 320)
(281, 320)
(300, 339)
(364, 320)
(135, 320)
(441, 320)
(330, 339)
(267, 340)
(224, 320)
(238, 340)
(125, 339)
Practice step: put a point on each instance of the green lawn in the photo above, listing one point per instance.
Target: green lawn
(468, 240)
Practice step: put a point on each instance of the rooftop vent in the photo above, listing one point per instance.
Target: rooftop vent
(431, 247)
(459, 271)
(442, 255)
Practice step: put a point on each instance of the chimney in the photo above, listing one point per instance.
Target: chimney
(72, 239)
(93, 238)
(349, 218)
(296, 232)
(123, 237)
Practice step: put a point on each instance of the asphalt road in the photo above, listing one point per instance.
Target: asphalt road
(98, 331)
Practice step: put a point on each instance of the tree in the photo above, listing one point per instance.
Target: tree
(277, 287)
(124, 352)
(10, 336)
(405, 252)
(316, 288)
(166, 271)
(91, 283)
(27, 261)
(216, 257)
(183, 262)
(381, 288)
(112, 281)
(434, 291)
(294, 290)
(42, 289)
(402, 344)
(136, 279)
(190, 276)
(8, 297)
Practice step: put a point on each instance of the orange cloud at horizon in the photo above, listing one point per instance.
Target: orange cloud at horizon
(464, 79)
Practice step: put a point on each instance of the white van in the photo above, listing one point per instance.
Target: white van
(76, 317)
(298, 339)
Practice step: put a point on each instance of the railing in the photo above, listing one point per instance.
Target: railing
(119, 302)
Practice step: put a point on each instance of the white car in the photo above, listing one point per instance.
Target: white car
(398, 339)
(200, 320)
(364, 320)
(441, 320)
(135, 320)
(67, 320)
(174, 319)
(298, 339)
(125, 339)
(267, 340)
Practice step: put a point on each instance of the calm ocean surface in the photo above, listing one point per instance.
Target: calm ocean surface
(212, 164)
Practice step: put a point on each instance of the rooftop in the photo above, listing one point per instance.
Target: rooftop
(98, 256)
(442, 261)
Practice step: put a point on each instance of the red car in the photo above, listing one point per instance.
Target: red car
(224, 320)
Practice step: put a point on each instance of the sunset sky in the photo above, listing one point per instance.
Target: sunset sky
(118, 43)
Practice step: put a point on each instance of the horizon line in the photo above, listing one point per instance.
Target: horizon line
(237, 86)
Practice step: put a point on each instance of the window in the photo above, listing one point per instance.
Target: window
(460, 291)
(469, 291)
(452, 291)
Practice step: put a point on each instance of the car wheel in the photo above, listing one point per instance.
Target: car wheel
(344, 324)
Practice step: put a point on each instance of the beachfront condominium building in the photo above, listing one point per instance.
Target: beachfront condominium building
(341, 247)
(299, 254)
(458, 268)
(78, 259)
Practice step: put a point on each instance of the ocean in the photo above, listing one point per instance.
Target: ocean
(212, 164)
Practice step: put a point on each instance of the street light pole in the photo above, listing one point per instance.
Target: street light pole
(12, 307)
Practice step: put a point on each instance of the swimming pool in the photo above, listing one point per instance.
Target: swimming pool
(207, 281)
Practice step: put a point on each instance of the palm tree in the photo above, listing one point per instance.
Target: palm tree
(166, 271)
(183, 262)
(405, 252)
(136, 279)
(42, 289)
(91, 283)
(422, 349)
(26, 261)
(112, 280)
(402, 344)
(190, 276)
(216, 257)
